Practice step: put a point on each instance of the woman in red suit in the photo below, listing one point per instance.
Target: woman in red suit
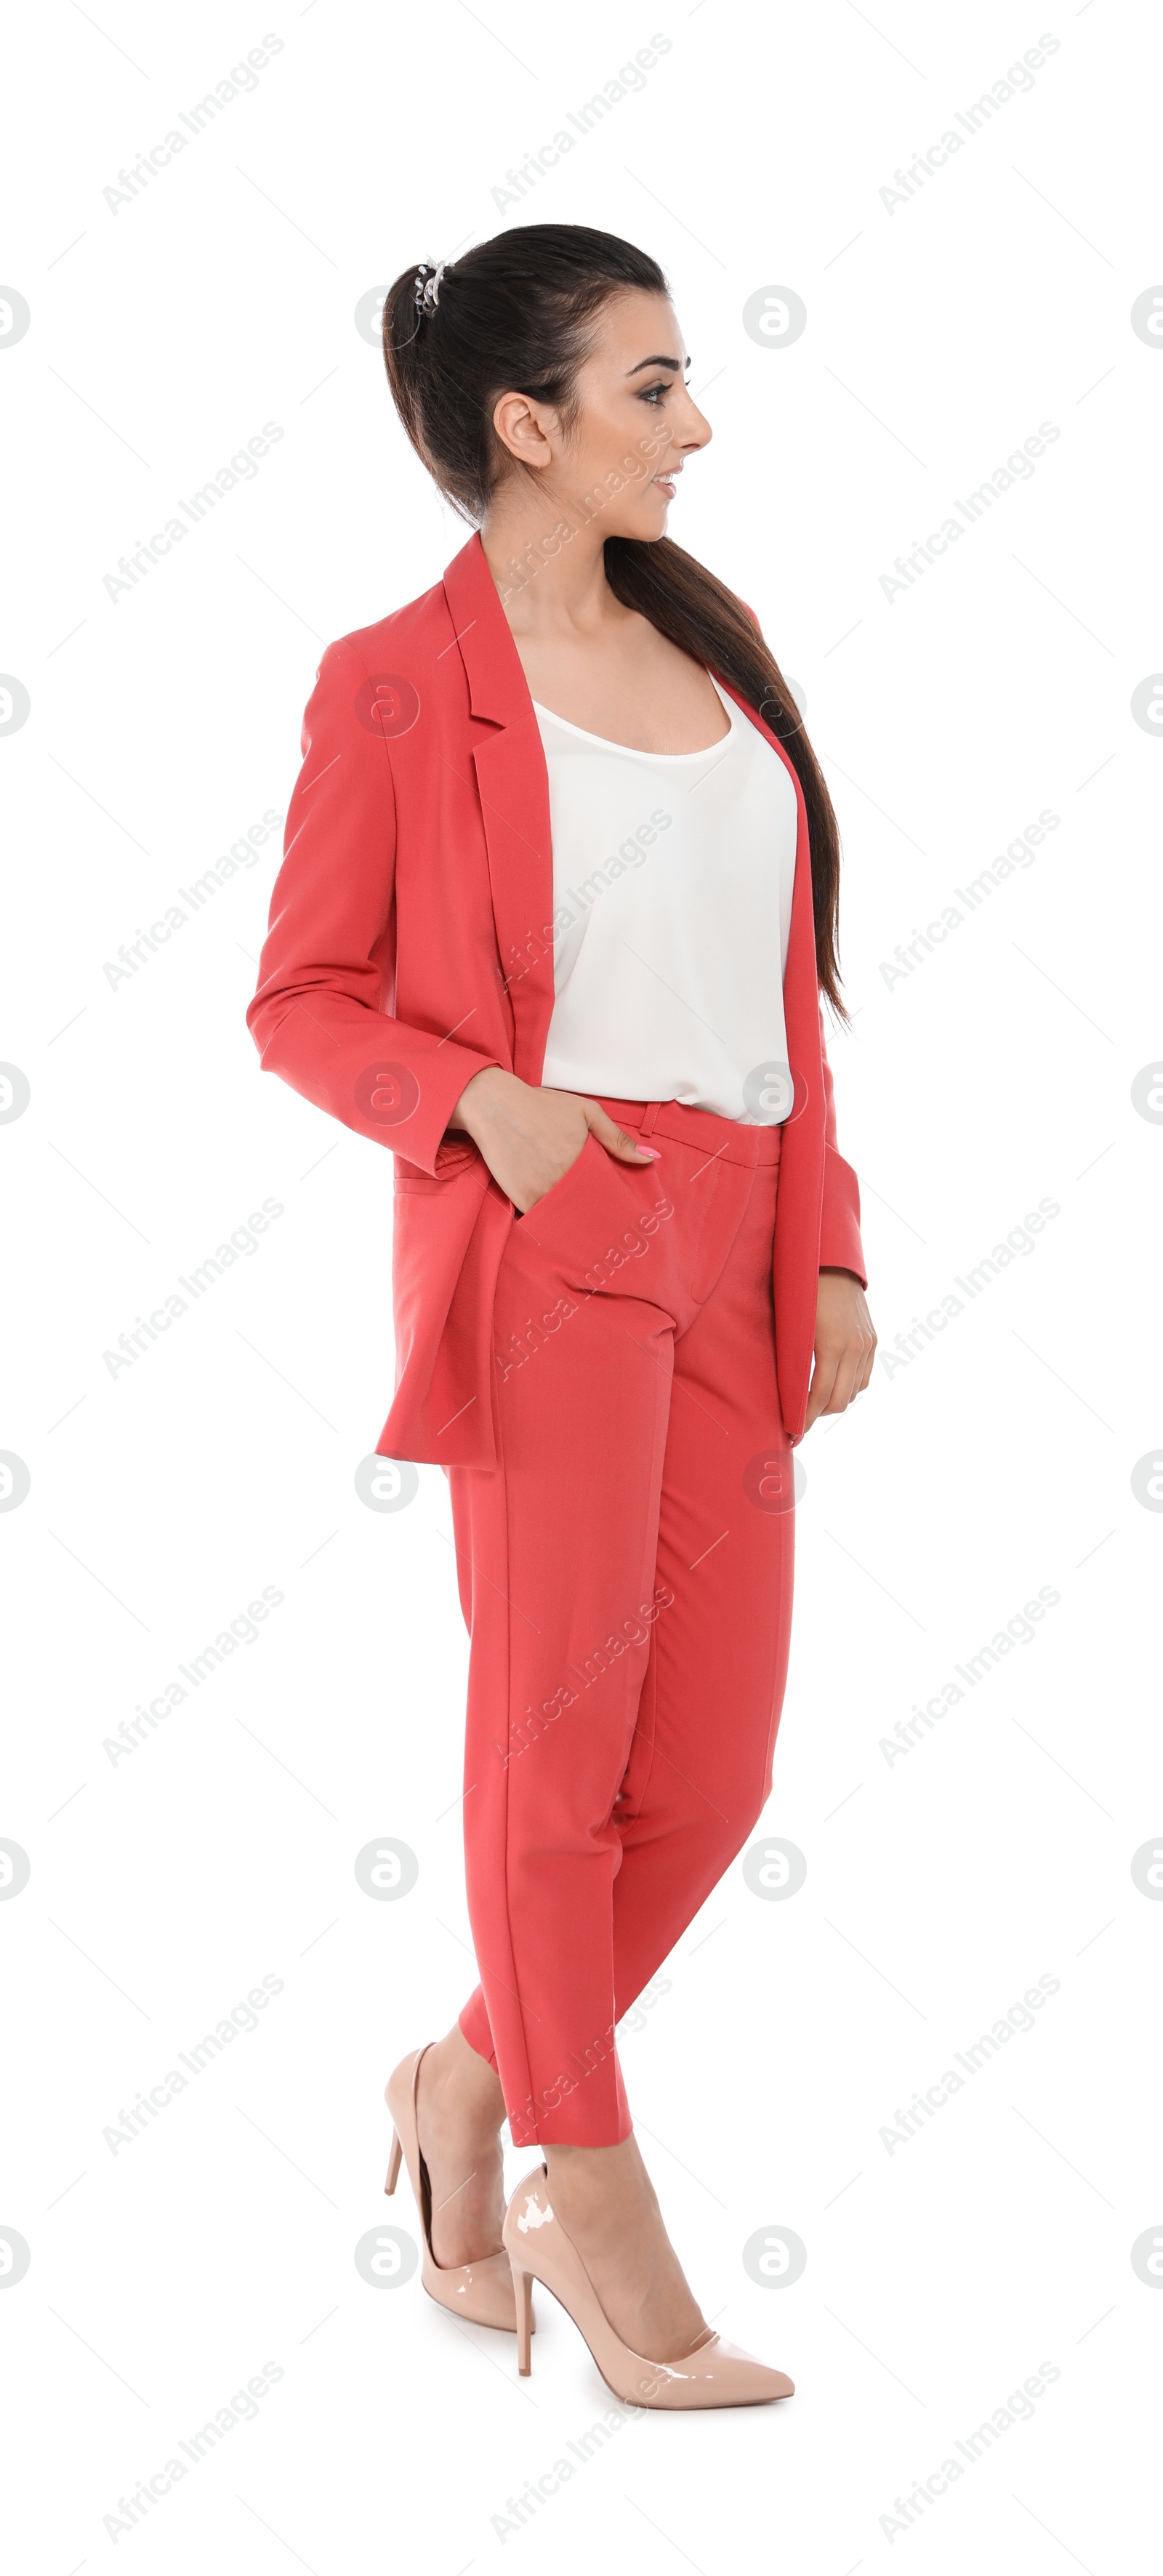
(557, 907)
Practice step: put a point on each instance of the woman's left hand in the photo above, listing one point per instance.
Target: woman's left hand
(845, 1345)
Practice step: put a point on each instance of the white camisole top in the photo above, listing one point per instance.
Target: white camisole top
(672, 888)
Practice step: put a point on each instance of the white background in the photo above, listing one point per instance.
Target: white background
(940, 1885)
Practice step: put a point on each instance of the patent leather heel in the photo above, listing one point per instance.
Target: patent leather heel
(523, 2293)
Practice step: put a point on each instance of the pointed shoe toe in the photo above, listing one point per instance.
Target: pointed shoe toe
(717, 2373)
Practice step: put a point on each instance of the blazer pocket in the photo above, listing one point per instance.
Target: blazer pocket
(448, 1170)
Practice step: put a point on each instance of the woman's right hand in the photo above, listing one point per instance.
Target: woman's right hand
(529, 1137)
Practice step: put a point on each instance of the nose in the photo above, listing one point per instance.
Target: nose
(695, 430)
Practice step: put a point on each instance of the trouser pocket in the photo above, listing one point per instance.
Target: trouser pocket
(550, 1197)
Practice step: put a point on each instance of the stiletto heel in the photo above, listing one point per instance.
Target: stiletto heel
(523, 2295)
(482, 2291)
(713, 2373)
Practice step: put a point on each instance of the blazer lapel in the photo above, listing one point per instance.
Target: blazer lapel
(801, 999)
(513, 784)
(799, 1203)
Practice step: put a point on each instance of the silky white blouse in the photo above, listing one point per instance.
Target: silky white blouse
(672, 888)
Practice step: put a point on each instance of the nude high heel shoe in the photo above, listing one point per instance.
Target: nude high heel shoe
(481, 2291)
(713, 2374)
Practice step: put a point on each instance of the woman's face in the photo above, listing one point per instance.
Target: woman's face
(635, 427)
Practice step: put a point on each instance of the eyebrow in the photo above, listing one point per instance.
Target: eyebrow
(674, 363)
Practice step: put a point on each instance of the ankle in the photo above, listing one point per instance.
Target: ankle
(455, 2077)
(614, 2173)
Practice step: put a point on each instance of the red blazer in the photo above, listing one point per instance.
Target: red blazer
(411, 943)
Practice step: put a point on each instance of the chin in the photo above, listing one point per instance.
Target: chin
(655, 518)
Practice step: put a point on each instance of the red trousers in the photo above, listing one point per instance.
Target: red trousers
(626, 1575)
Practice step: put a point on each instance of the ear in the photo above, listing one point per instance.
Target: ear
(521, 427)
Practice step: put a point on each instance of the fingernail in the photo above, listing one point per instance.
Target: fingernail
(651, 1152)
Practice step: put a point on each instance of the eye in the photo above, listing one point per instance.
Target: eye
(654, 392)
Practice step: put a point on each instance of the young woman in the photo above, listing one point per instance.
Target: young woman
(556, 910)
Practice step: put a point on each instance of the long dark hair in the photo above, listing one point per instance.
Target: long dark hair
(516, 313)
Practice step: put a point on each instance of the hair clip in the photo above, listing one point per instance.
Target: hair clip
(427, 295)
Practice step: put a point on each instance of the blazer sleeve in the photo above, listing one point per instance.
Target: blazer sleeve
(318, 1016)
(840, 1245)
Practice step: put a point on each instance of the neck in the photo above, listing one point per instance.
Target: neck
(546, 557)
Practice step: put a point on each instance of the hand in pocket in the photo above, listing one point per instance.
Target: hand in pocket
(531, 1137)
